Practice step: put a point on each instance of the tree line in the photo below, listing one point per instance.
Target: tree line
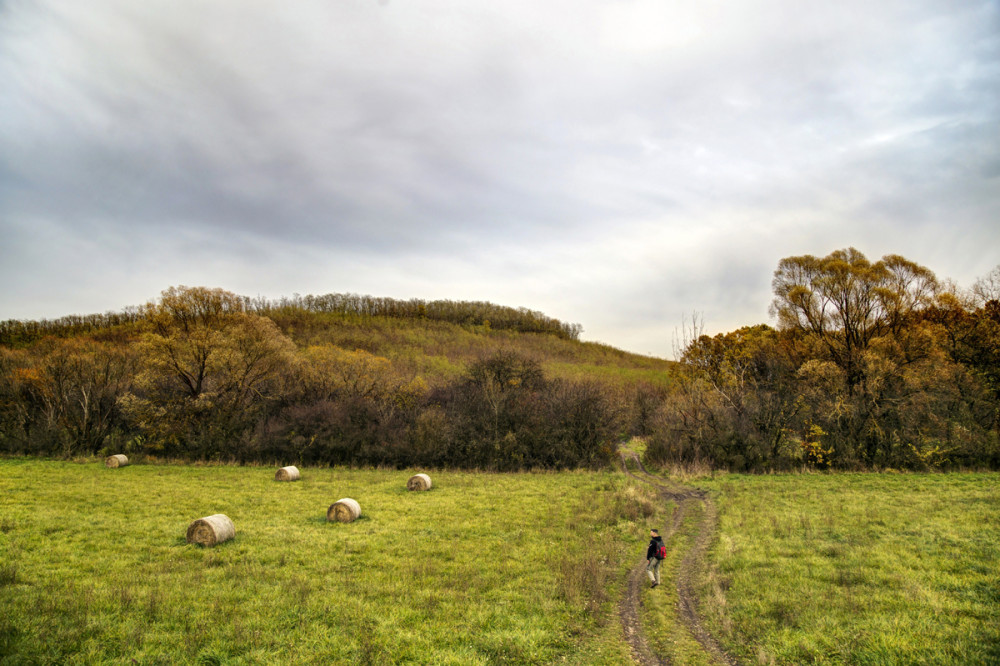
(203, 374)
(872, 365)
(18, 333)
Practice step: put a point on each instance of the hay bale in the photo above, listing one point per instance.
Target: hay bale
(117, 460)
(211, 530)
(344, 511)
(290, 473)
(419, 482)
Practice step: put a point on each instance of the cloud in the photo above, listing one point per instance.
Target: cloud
(616, 163)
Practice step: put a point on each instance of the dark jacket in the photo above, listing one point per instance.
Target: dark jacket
(654, 547)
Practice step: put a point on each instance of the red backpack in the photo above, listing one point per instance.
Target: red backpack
(661, 552)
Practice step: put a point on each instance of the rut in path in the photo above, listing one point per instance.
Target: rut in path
(683, 498)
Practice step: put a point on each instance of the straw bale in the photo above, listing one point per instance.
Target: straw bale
(117, 460)
(344, 510)
(419, 482)
(211, 530)
(290, 473)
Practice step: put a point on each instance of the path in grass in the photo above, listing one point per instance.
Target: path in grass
(685, 500)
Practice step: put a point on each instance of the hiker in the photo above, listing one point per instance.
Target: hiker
(654, 555)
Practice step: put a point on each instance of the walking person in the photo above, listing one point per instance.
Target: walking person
(654, 555)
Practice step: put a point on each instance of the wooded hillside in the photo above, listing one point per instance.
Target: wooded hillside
(339, 379)
(872, 365)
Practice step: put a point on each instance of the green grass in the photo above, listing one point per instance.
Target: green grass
(484, 568)
(857, 568)
(487, 568)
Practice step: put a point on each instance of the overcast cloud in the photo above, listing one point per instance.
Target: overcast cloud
(616, 163)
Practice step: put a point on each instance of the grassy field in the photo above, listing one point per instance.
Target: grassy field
(857, 568)
(484, 568)
(488, 568)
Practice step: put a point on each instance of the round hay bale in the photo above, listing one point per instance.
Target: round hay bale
(344, 511)
(290, 473)
(211, 530)
(117, 460)
(419, 482)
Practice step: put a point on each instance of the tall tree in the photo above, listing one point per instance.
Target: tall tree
(210, 367)
(848, 302)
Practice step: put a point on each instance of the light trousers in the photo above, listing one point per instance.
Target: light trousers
(653, 570)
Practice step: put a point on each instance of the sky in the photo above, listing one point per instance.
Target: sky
(627, 165)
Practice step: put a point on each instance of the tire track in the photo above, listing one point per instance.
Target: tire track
(683, 498)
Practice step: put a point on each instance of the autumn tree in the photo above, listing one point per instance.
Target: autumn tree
(847, 302)
(27, 407)
(878, 381)
(750, 371)
(61, 397)
(970, 327)
(500, 380)
(332, 373)
(88, 379)
(190, 335)
(351, 407)
(210, 368)
(505, 414)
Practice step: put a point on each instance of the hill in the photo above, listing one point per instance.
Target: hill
(207, 374)
(436, 339)
(439, 340)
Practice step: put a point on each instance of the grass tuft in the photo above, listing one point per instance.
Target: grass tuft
(8, 573)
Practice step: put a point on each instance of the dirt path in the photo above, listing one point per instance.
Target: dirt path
(684, 498)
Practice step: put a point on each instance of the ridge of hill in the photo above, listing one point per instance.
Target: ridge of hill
(436, 339)
(207, 374)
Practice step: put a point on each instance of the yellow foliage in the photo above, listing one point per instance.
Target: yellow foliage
(813, 450)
